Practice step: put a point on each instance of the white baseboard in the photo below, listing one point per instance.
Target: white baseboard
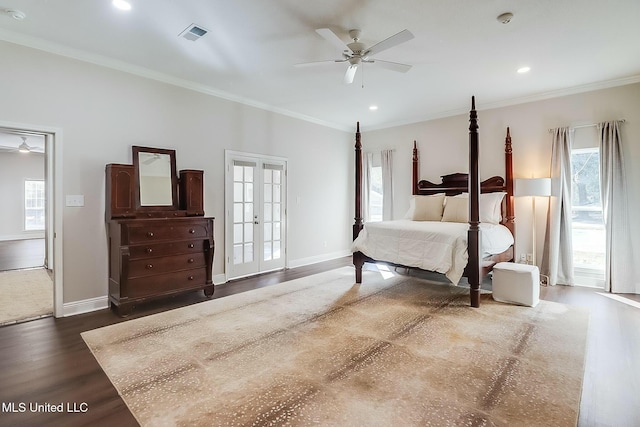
(85, 306)
(318, 258)
(99, 303)
(219, 279)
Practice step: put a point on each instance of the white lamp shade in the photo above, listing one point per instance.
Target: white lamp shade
(533, 187)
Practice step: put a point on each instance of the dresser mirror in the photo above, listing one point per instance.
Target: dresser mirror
(156, 178)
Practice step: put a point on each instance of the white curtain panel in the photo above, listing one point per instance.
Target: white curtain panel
(387, 185)
(619, 274)
(557, 256)
(367, 162)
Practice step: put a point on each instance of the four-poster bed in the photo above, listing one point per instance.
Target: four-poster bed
(437, 244)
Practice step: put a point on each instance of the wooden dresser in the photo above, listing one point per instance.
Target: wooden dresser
(161, 250)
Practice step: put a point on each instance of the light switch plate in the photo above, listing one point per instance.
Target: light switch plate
(75, 200)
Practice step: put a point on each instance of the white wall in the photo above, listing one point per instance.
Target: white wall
(443, 147)
(103, 112)
(15, 168)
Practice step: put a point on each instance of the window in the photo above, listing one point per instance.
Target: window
(589, 238)
(34, 205)
(375, 194)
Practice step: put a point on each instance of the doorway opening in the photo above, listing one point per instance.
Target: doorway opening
(31, 225)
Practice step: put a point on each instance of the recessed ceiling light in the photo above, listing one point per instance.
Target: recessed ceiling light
(121, 4)
(373, 107)
(523, 70)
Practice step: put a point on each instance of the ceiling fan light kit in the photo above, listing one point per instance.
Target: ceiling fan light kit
(24, 147)
(356, 53)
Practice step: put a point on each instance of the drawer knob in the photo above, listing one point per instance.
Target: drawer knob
(149, 215)
(149, 266)
(190, 261)
(192, 231)
(150, 233)
(175, 214)
(191, 245)
(149, 250)
(191, 277)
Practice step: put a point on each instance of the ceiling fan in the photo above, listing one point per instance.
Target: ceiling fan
(356, 53)
(23, 147)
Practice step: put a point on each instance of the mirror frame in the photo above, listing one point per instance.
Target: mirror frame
(174, 178)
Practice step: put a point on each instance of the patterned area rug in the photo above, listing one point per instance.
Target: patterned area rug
(25, 295)
(324, 351)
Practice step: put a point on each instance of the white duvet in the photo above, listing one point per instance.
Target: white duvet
(429, 245)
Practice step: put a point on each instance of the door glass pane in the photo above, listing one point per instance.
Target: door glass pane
(248, 192)
(267, 251)
(276, 211)
(276, 250)
(276, 231)
(237, 173)
(237, 212)
(267, 212)
(248, 173)
(248, 232)
(237, 233)
(267, 231)
(237, 254)
(267, 193)
(248, 212)
(248, 252)
(276, 177)
(237, 192)
(276, 194)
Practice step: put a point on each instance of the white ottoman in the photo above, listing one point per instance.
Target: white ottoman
(516, 283)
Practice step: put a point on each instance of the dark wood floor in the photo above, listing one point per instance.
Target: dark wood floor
(46, 360)
(17, 254)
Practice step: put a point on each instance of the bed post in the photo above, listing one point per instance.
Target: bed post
(357, 226)
(415, 175)
(508, 159)
(473, 239)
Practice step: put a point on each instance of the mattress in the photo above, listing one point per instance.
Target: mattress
(429, 245)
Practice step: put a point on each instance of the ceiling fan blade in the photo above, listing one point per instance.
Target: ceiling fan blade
(313, 64)
(394, 40)
(393, 66)
(332, 38)
(350, 74)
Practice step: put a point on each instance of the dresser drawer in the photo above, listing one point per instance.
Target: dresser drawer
(152, 250)
(166, 283)
(158, 232)
(151, 266)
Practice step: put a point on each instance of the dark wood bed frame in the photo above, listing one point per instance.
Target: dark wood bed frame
(453, 184)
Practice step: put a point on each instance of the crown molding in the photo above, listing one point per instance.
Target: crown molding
(58, 49)
(115, 64)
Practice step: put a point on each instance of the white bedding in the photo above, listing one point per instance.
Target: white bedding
(429, 245)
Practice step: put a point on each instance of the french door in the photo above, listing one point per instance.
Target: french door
(255, 209)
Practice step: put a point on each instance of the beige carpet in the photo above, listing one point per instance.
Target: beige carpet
(323, 351)
(25, 294)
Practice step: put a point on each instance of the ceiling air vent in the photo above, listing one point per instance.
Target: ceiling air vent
(193, 32)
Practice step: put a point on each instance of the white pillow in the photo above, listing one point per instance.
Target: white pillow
(490, 206)
(426, 208)
(456, 209)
